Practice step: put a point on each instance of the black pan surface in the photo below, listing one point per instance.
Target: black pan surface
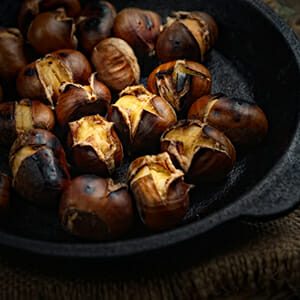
(256, 58)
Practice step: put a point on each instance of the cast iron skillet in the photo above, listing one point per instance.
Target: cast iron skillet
(256, 58)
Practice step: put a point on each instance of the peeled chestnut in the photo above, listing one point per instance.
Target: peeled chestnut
(161, 195)
(95, 23)
(187, 35)
(5, 190)
(204, 153)
(140, 118)
(43, 78)
(77, 101)
(17, 117)
(139, 28)
(95, 146)
(12, 55)
(244, 123)
(50, 31)
(39, 167)
(180, 82)
(116, 63)
(96, 208)
(31, 8)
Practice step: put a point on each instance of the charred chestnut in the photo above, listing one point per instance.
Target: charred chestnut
(140, 118)
(50, 31)
(95, 146)
(96, 208)
(187, 35)
(204, 153)
(5, 190)
(244, 123)
(12, 55)
(31, 8)
(95, 23)
(77, 101)
(180, 82)
(116, 63)
(39, 167)
(43, 78)
(139, 28)
(17, 117)
(161, 195)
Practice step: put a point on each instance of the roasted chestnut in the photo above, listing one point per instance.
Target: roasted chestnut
(17, 117)
(12, 55)
(161, 195)
(204, 153)
(116, 63)
(43, 78)
(95, 23)
(244, 123)
(187, 35)
(5, 190)
(96, 208)
(139, 28)
(39, 167)
(31, 8)
(140, 118)
(50, 31)
(180, 82)
(95, 146)
(77, 101)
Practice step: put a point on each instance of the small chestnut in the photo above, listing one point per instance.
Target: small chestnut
(5, 191)
(39, 167)
(161, 195)
(12, 55)
(95, 23)
(96, 208)
(17, 117)
(204, 153)
(77, 101)
(244, 123)
(43, 78)
(140, 118)
(95, 146)
(116, 63)
(50, 31)
(186, 35)
(139, 28)
(180, 82)
(31, 8)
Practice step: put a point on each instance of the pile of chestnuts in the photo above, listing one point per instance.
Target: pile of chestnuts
(83, 115)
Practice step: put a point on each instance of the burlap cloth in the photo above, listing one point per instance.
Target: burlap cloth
(245, 261)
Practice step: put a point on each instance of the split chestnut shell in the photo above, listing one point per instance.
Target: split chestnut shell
(161, 195)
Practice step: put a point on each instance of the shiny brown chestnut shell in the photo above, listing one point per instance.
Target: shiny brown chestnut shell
(180, 82)
(5, 192)
(161, 195)
(17, 117)
(39, 167)
(95, 23)
(77, 101)
(187, 35)
(139, 28)
(140, 118)
(43, 78)
(50, 31)
(31, 8)
(95, 146)
(96, 208)
(12, 55)
(204, 153)
(244, 123)
(116, 63)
